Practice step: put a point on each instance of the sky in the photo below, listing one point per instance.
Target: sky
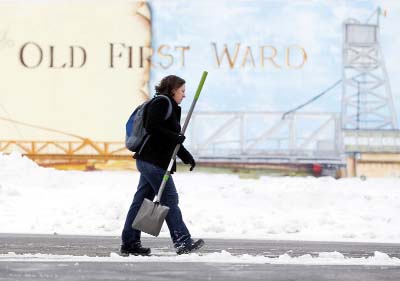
(316, 26)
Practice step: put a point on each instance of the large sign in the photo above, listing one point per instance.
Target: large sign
(81, 67)
(78, 68)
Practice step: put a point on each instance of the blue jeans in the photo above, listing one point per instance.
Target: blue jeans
(149, 184)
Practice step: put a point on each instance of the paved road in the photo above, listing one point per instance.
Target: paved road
(102, 246)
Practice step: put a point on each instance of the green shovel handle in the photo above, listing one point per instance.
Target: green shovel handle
(202, 80)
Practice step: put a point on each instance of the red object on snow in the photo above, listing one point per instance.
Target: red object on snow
(317, 170)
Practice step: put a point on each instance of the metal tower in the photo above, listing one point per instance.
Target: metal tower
(367, 101)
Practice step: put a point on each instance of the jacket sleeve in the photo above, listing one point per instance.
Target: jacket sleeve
(154, 120)
(184, 155)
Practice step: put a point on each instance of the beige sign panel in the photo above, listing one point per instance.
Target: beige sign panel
(76, 68)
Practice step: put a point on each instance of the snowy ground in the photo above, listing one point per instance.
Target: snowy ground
(42, 200)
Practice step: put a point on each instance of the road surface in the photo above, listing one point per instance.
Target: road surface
(101, 246)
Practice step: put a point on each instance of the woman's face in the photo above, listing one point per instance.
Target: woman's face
(179, 94)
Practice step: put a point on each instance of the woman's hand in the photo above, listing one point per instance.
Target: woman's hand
(181, 138)
(192, 164)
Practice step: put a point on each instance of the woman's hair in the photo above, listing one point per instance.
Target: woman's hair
(169, 83)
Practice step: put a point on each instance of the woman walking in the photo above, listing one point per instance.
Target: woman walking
(162, 122)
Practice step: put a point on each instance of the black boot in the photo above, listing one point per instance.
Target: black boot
(135, 249)
(189, 246)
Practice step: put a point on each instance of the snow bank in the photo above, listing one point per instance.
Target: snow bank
(42, 200)
(333, 258)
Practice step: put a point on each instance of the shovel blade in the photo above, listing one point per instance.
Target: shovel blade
(150, 217)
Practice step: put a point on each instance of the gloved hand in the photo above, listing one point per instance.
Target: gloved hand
(181, 138)
(192, 164)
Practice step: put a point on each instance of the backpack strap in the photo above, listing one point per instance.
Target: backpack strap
(169, 111)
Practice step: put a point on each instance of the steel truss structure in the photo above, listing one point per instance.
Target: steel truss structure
(266, 137)
(219, 136)
(367, 101)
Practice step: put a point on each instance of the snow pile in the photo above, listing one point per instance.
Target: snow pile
(333, 258)
(40, 200)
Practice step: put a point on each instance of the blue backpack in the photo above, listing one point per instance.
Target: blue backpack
(136, 135)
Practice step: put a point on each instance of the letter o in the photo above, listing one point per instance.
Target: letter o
(22, 59)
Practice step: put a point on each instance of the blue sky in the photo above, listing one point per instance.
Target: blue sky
(314, 25)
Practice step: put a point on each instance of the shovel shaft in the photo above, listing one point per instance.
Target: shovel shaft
(196, 97)
(189, 115)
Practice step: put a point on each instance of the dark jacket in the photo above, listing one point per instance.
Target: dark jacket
(163, 134)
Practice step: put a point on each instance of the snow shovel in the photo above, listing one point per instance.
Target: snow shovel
(151, 214)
